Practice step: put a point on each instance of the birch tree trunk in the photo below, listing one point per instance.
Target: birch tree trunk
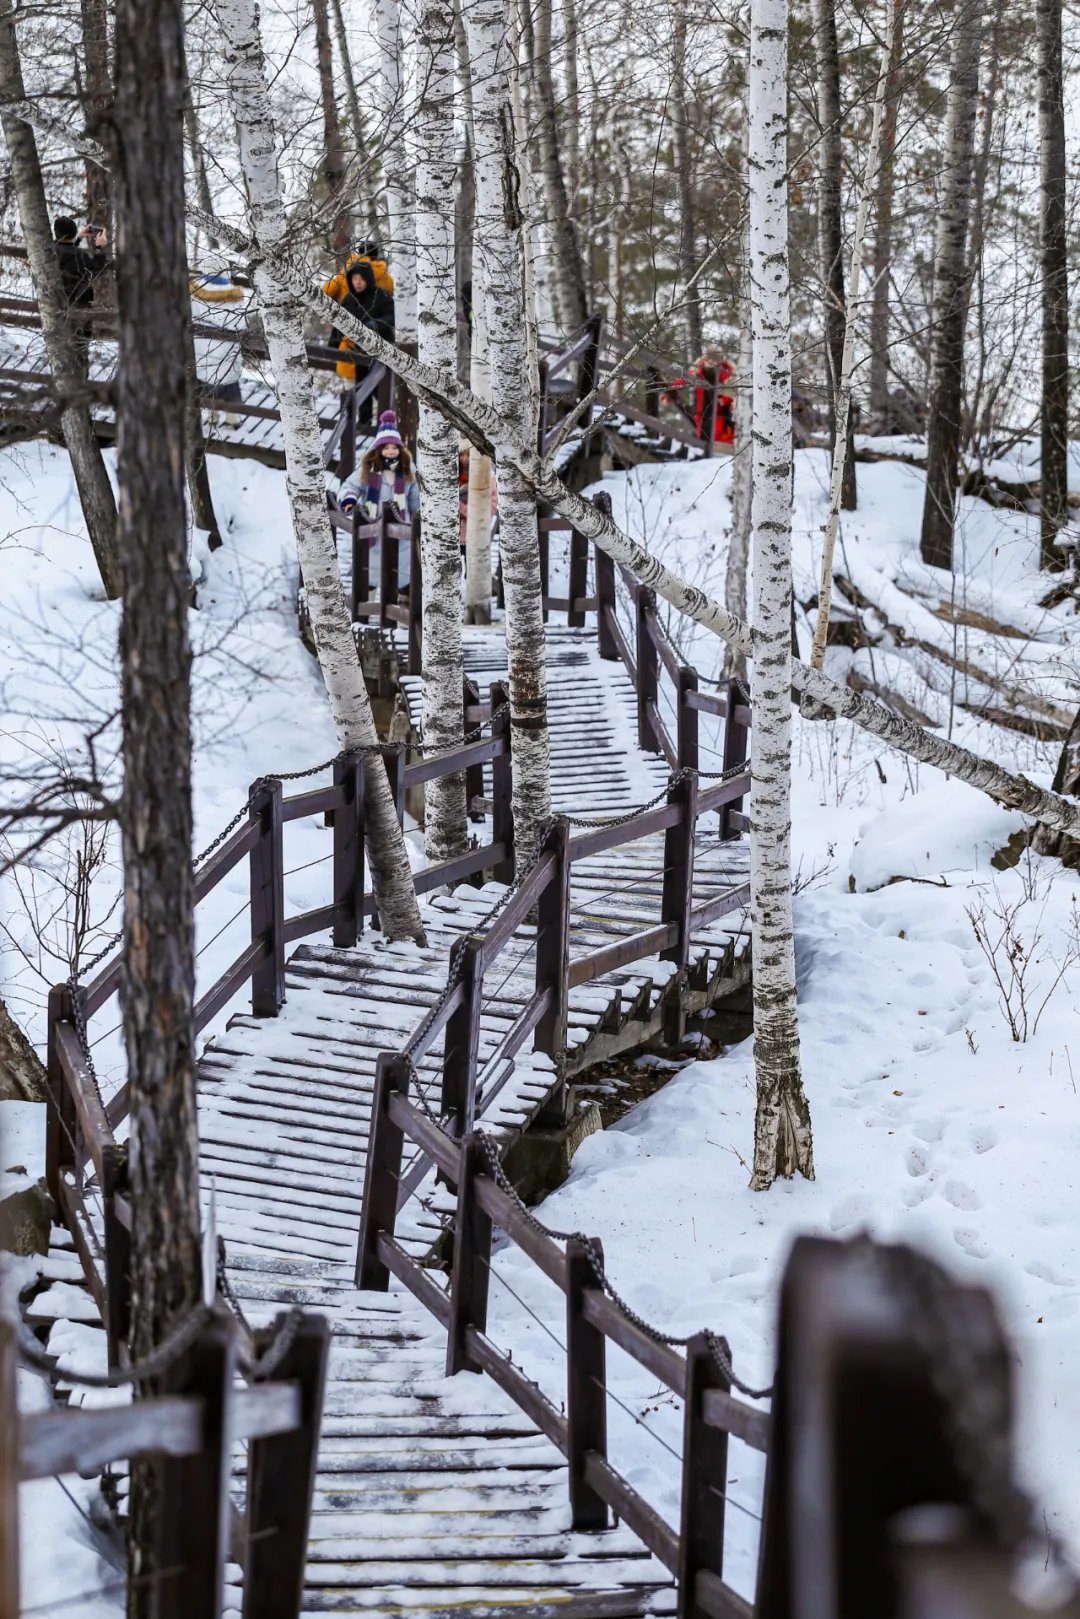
(283, 325)
(478, 515)
(571, 138)
(388, 90)
(951, 291)
(157, 987)
(830, 229)
(570, 301)
(97, 95)
(65, 362)
(844, 439)
(498, 250)
(742, 473)
(685, 191)
(883, 226)
(444, 798)
(1054, 503)
(782, 1133)
(356, 118)
(333, 151)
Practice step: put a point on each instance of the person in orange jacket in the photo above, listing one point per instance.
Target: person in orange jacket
(338, 285)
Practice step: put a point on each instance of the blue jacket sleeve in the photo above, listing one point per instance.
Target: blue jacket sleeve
(351, 489)
(412, 498)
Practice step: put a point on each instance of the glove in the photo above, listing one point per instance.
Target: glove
(400, 509)
(346, 503)
(371, 511)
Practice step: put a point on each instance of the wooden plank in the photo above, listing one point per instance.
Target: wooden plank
(735, 899)
(439, 1148)
(513, 1382)
(585, 844)
(222, 861)
(508, 1217)
(705, 702)
(704, 1476)
(586, 1386)
(233, 979)
(738, 1419)
(632, 1509)
(718, 1600)
(75, 1217)
(101, 987)
(465, 865)
(193, 1522)
(662, 1360)
(93, 1122)
(316, 801)
(319, 920)
(281, 1483)
(84, 1440)
(410, 1275)
(448, 764)
(638, 947)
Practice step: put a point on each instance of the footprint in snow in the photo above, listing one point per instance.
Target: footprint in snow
(969, 1240)
(961, 1196)
(983, 1137)
(918, 1161)
(1044, 1273)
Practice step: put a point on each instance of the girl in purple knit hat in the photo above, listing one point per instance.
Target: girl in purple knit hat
(384, 477)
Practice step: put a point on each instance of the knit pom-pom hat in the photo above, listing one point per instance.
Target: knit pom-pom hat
(388, 431)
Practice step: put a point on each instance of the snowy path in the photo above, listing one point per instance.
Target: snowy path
(438, 1493)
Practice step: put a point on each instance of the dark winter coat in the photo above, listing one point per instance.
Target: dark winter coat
(80, 267)
(374, 307)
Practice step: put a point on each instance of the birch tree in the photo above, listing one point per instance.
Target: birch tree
(684, 183)
(356, 119)
(831, 232)
(742, 473)
(843, 439)
(444, 799)
(883, 230)
(571, 302)
(478, 515)
(951, 291)
(157, 988)
(283, 324)
(498, 258)
(387, 88)
(782, 1133)
(333, 151)
(1053, 242)
(65, 362)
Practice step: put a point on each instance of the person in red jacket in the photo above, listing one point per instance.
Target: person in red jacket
(712, 369)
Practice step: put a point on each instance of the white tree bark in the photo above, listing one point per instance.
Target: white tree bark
(782, 1135)
(388, 93)
(478, 519)
(444, 798)
(843, 387)
(742, 471)
(499, 258)
(283, 324)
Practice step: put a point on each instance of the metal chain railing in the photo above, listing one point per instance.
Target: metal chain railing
(599, 1270)
(599, 822)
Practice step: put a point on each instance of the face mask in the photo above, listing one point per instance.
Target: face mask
(390, 460)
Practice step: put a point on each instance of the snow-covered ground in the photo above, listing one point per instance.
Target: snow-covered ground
(931, 1122)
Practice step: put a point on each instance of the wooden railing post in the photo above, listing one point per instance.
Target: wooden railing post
(360, 583)
(736, 736)
(193, 1521)
(416, 601)
(60, 1119)
(9, 1473)
(708, 415)
(704, 1478)
(117, 1245)
(472, 1261)
(605, 589)
(347, 447)
(579, 578)
(586, 1388)
(388, 569)
(281, 1482)
(678, 899)
(474, 774)
(647, 667)
(502, 807)
(268, 897)
(378, 1212)
(653, 380)
(463, 1037)
(553, 940)
(687, 720)
(349, 850)
(543, 540)
(542, 406)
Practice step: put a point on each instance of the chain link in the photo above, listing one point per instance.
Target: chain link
(599, 822)
(176, 1343)
(596, 1264)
